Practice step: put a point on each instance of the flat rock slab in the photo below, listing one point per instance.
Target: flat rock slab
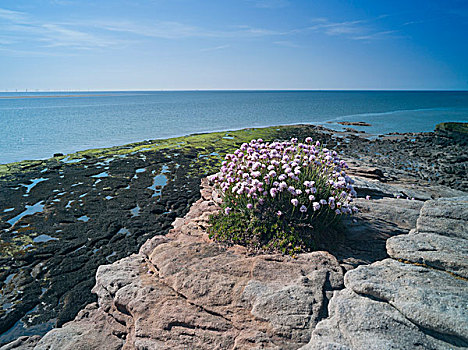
(377, 189)
(359, 323)
(433, 300)
(434, 250)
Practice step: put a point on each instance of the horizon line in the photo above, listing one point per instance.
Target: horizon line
(226, 90)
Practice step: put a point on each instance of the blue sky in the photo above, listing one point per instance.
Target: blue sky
(233, 44)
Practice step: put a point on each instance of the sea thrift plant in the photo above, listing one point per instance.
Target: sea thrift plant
(281, 196)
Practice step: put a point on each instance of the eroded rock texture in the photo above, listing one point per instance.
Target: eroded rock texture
(182, 291)
(418, 302)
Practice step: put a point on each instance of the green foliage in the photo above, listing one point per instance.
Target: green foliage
(276, 235)
(285, 197)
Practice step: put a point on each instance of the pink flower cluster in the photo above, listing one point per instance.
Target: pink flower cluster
(285, 177)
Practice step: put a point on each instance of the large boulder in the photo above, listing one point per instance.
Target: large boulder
(359, 322)
(433, 300)
(184, 291)
(406, 304)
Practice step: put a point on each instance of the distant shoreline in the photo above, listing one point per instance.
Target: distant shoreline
(37, 125)
(52, 96)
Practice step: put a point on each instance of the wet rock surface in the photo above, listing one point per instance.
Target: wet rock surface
(438, 158)
(61, 219)
(91, 213)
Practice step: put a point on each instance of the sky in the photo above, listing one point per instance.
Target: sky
(233, 44)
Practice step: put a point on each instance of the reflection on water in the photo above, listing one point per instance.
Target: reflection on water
(30, 210)
(44, 238)
(159, 181)
(34, 182)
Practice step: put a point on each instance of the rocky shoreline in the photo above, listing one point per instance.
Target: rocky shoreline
(143, 188)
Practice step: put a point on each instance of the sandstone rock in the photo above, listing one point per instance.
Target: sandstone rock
(198, 295)
(92, 329)
(360, 323)
(440, 239)
(185, 292)
(367, 232)
(285, 295)
(441, 252)
(22, 343)
(150, 244)
(446, 216)
(393, 305)
(398, 213)
(433, 300)
(403, 188)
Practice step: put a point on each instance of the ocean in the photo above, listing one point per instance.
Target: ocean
(37, 125)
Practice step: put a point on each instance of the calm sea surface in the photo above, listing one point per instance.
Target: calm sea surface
(37, 125)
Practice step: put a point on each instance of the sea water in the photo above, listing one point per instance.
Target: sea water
(37, 125)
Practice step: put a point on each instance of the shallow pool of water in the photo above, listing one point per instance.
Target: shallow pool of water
(83, 218)
(101, 175)
(124, 231)
(159, 181)
(29, 210)
(44, 238)
(135, 211)
(34, 182)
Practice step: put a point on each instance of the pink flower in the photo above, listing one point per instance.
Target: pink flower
(273, 192)
(279, 213)
(316, 206)
(294, 202)
(249, 206)
(227, 210)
